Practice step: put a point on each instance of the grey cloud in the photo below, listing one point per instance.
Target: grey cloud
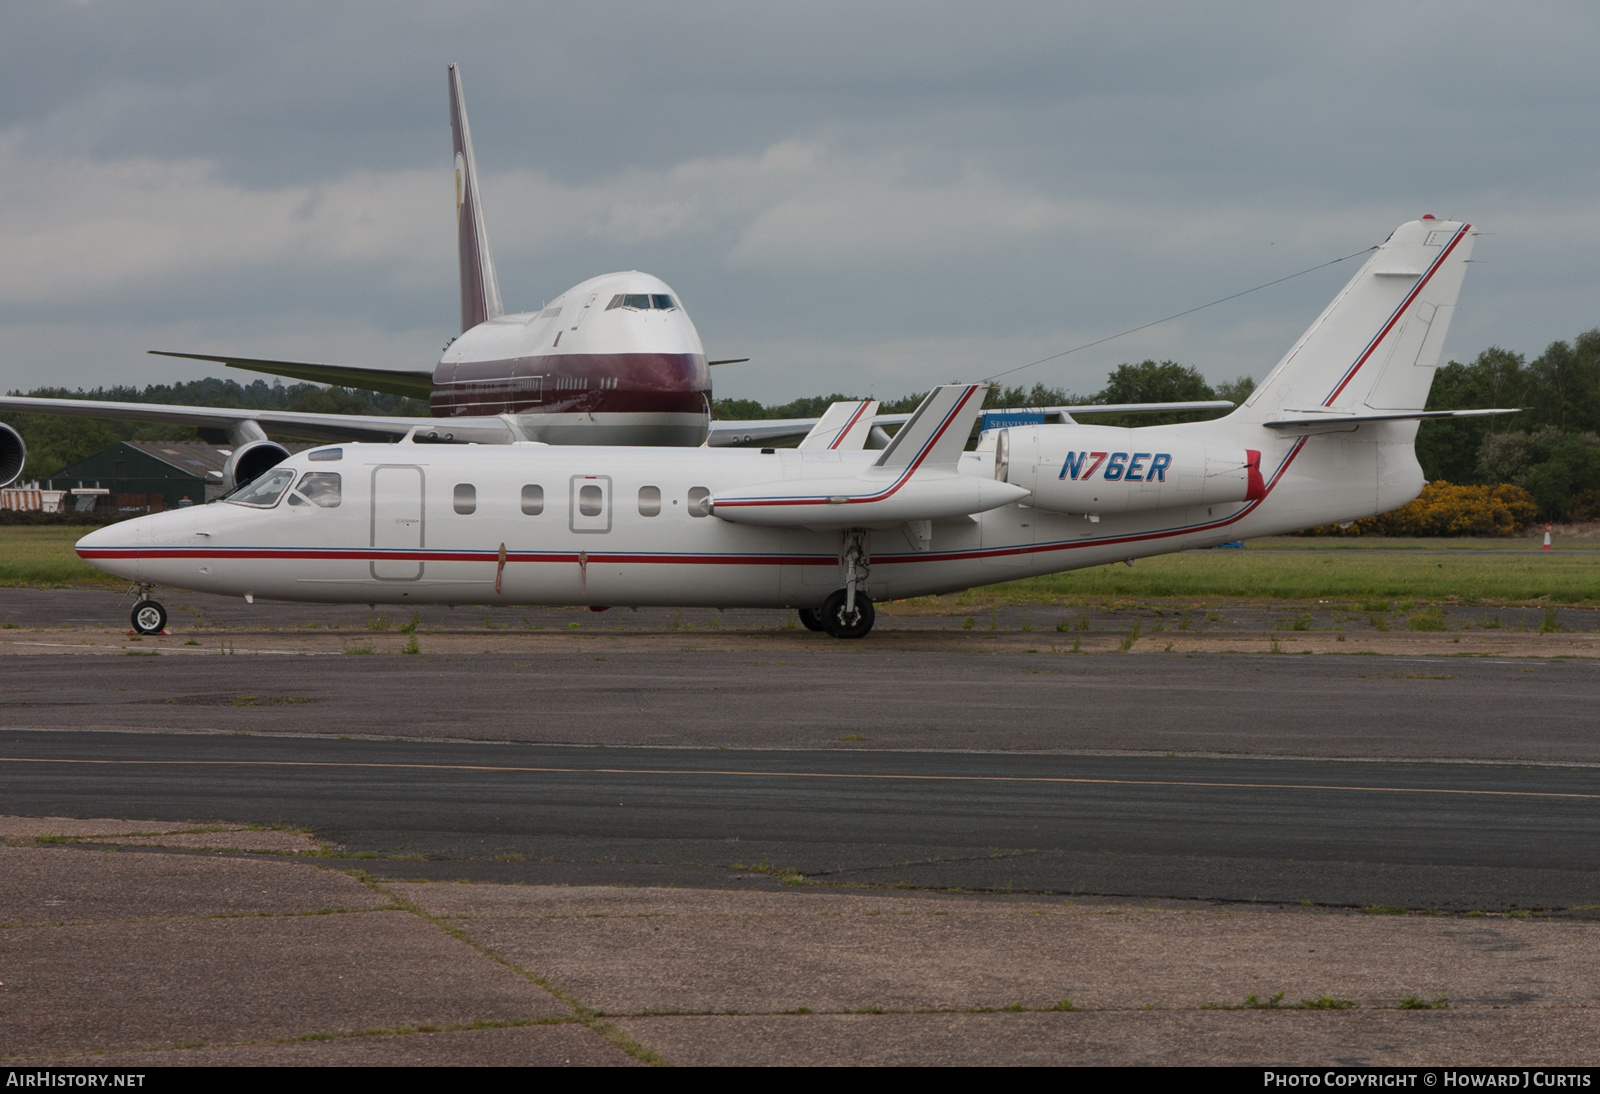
(993, 182)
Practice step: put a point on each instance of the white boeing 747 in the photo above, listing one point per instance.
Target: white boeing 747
(831, 526)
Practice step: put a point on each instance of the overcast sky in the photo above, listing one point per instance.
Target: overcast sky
(866, 197)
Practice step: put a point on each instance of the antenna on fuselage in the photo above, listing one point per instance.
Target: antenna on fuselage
(480, 290)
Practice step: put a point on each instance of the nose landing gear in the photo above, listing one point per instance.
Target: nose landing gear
(149, 616)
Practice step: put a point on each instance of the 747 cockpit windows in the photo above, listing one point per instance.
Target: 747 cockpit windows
(639, 301)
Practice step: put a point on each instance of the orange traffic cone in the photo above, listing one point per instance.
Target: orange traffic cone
(1547, 535)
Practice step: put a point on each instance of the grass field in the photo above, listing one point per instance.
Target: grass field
(42, 555)
(1346, 571)
(1349, 577)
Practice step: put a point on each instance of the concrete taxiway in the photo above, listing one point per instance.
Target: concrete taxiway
(851, 845)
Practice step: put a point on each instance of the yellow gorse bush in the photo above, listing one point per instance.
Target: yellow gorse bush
(1444, 509)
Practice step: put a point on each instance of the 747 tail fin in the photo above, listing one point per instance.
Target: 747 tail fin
(480, 291)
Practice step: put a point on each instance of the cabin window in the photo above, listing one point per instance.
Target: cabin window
(319, 488)
(265, 491)
(532, 500)
(699, 501)
(465, 499)
(649, 501)
(589, 500)
(325, 455)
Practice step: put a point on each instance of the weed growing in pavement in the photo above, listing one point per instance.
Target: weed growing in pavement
(1213, 617)
(968, 623)
(1133, 636)
(1328, 1002)
(1412, 1002)
(1183, 621)
(1063, 1004)
(994, 621)
(1375, 606)
(1380, 622)
(411, 627)
(1550, 624)
(1063, 626)
(411, 646)
(1491, 624)
(1027, 624)
(1431, 619)
(1253, 1002)
(574, 625)
(377, 622)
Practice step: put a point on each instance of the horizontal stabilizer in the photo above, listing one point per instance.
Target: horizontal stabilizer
(413, 385)
(1314, 420)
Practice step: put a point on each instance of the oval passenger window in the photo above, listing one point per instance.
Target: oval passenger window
(699, 501)
(589, 501)
(532, 500)
(466, 498)
(649, 501)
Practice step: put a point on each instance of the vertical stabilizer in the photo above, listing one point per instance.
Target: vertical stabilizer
(937, 432)
(480, 292)
(1377, 345)
(843, 428)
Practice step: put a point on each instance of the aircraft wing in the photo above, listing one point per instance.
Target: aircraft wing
(414, 385)
(730, 433)
(328, 427)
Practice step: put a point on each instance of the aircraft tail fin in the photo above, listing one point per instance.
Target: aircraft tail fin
(843, 427)
(480, 291)
(937, 433)
(1375, 348)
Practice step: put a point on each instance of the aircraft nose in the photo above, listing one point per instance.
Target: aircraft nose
(113, 548)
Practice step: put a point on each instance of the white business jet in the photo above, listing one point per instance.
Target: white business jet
(830, 527)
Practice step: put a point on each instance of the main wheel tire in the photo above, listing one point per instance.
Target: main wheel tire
(837, 623)
(809, 619)
(149, 617)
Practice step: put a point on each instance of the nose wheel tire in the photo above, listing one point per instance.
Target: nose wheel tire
(841, 624)
(809, 619)
(149, 617)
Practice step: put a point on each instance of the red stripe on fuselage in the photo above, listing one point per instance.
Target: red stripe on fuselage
(592, 558)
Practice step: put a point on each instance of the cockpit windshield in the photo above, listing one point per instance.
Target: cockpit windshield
(639, 301)
(265, 491)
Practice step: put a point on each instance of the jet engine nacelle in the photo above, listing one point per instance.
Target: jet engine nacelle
(13, 453)
(252, 460)
(1104, 469)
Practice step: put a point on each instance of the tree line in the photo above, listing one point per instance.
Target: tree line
(1551, 448)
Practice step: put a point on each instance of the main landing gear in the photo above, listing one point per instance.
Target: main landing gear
(149, 616)
(847, 613)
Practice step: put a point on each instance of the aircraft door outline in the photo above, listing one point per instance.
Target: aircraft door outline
(398, 519)
(589, 503)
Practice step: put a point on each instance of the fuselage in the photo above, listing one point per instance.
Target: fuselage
(606, 526)
(612, 361)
